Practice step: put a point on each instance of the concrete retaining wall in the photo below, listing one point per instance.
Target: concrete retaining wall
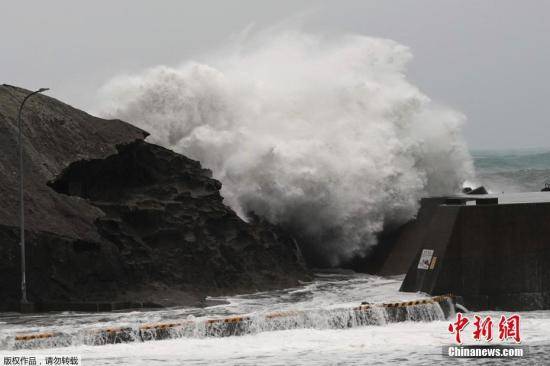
(495, 256)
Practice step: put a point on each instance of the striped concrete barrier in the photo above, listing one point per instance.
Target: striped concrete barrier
(30, 337)
(364, 314)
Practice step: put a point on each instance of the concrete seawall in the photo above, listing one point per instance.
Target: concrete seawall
(366, 314)
(493, 255)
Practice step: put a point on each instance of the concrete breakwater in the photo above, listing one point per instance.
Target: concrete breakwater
(492, 250)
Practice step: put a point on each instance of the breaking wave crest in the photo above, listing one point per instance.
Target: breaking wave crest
(323, 135)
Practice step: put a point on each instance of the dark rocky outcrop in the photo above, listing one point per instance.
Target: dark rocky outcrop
(110, 217)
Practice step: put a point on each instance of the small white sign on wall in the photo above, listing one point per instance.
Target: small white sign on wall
(425, 259)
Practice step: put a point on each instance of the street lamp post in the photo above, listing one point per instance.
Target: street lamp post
(24, 300)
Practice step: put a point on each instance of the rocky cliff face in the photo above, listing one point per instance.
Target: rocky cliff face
(112, 217)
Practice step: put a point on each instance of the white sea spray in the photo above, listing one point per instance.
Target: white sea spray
(321, 134)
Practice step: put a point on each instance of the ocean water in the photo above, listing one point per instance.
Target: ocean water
(510, 171)
(318, 301)
(318, 342)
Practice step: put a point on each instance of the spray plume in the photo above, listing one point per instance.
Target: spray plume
(323, 135)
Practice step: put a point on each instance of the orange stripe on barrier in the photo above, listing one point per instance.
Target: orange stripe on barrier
(109, 330)
(28, 337)
(164, 325)
(281, 314)
(238, 319)
(212, 321)
(431, 300)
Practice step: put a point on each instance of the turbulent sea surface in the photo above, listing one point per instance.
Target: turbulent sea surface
(512, 171)
(416, 343)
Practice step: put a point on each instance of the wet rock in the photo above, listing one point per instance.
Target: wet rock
(478, 190)
(112, 217)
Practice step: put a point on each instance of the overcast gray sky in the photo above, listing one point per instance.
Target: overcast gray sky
(486, 58)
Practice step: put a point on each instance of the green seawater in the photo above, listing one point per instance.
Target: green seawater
(512, 170)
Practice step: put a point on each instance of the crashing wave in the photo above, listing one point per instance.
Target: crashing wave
(323, 135)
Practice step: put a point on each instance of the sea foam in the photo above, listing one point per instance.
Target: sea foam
(323, 135)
